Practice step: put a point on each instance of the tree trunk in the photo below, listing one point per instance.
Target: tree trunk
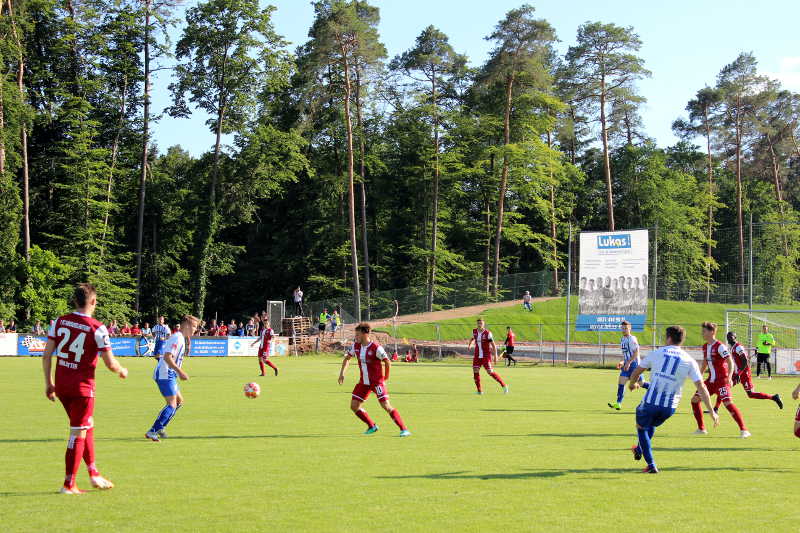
(628, 132)
(350, 188)
(606, 157)
(435, 224)
(2, 129)
(362, 153)
(553, 234)
(710, 171)
(503, 185)
(487, 227)
(145, 150)
(776, 179)
(739, 211)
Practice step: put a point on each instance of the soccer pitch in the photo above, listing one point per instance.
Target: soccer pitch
(550, 456)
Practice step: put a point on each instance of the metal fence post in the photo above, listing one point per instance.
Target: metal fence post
(541, 347)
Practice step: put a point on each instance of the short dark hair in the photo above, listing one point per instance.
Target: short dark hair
(676, 334)
(624, 323)
(364, 327)
(83, 293)
(710, 326)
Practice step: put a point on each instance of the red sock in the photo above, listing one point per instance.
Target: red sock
(698, 415)
(88, 453)
(759, 395)
(497, 378)
(718, 402)
(736, 415)
(261, 364)
(72, 459)
(362, 414)
(269, 364)
(398, 419)
(477, 378)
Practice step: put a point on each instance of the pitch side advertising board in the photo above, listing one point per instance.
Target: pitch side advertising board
(613, 280)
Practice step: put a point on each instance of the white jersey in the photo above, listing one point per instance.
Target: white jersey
(669, 367)
(176, 345)
(629, 346)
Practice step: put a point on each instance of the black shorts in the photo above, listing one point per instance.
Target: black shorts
(322, 327)
(509, 350)
(762, 357)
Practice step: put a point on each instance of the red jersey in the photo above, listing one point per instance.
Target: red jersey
(136, 331)
(482, 343)
(78, 339)
(715, 355)
(510, 339)
(369, 362)
(740, 357)
(222, 331)
(266, 339)
(125, 331)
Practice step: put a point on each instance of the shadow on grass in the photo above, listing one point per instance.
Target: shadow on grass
(32, 493)
(29, 441)
(553, 472)
(564, 435)
(529, 410)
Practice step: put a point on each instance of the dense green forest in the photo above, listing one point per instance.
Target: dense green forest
(351, 171)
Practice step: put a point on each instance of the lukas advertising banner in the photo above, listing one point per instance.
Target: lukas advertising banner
(613, 276)
(34, 345)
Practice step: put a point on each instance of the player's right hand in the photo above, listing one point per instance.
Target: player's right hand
(123, 373)
(796, 394)
(341, 379)
(50, 392)
(715, 418)
(183, 375)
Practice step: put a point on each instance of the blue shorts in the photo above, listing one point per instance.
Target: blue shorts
(627, 373)
(159, 347)
(168, 387)
(649, 415)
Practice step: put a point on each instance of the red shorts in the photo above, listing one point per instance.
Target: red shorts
(719, 388)
(361, 392)
(797, 415)
(263, 354)
(485, 362)
(746, 379)
(79, 410)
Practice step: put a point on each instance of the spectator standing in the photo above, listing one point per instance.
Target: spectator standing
(2, 326)
(323, 319)
(232, 329)
(126, 329)
(240, 330)
(147, 331)
(222, 330)
(213, 329)
(201, 329)
(250, 328)
(113, 329)
(38, 329)
(764, 350)
(527, 301)
(136, 330)
(297, 296)
(335, 321)
(12, 326)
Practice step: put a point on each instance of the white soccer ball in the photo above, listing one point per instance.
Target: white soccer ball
(252, 390)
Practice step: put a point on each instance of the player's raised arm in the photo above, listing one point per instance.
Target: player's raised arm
(345, 364)
(47, 367)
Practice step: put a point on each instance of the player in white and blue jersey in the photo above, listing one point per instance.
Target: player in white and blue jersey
(669, 367)
(167, 372)
(161, 333)
(628, 363)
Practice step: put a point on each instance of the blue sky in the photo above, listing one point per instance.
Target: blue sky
(685, 44)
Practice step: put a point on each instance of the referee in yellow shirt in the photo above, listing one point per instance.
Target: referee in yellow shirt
(763, 351)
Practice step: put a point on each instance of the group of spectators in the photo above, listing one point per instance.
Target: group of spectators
(11, 327)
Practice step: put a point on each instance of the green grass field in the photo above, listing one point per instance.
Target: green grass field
(548, 457)
(551, 314)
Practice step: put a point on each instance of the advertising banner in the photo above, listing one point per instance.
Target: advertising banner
(787, 361)
(242, 346)
(208, 347)
(613, 276)
(34, 345)
(8, 344)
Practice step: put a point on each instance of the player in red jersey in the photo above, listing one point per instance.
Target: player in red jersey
(264, 342)
(717, 359)
(77, 339)
(796, 396)
(371, 356)
(485, 354)
(743, 375)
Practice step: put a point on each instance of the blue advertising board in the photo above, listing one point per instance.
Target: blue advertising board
(34, 345)
(207, 347)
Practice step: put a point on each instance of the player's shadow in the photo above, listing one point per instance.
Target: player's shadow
(31, 493)
(529, 410)
(564, 435)
(552, 472)
(29, 441)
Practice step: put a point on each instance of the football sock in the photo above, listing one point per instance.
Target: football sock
(72, 459)
(734, 411)
(163, 418)
(698, 415)
(797, 432)
(477, 377)
(717, 403)
(759, 395)
(362, 414)
(620, 393)
(645, 436)
(88, 453)
(769, 368)
(174, 412)
(398, 419)
(758, 369)
(644, 384)
(497, 378)
(269, 364)
(261, 365)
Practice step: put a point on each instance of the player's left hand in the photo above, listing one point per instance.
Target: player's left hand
(50, 392)
(619, 365)
(341, 379)
(715, 418)
(796, 394)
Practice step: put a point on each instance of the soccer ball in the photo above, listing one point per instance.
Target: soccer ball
(252, 390)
